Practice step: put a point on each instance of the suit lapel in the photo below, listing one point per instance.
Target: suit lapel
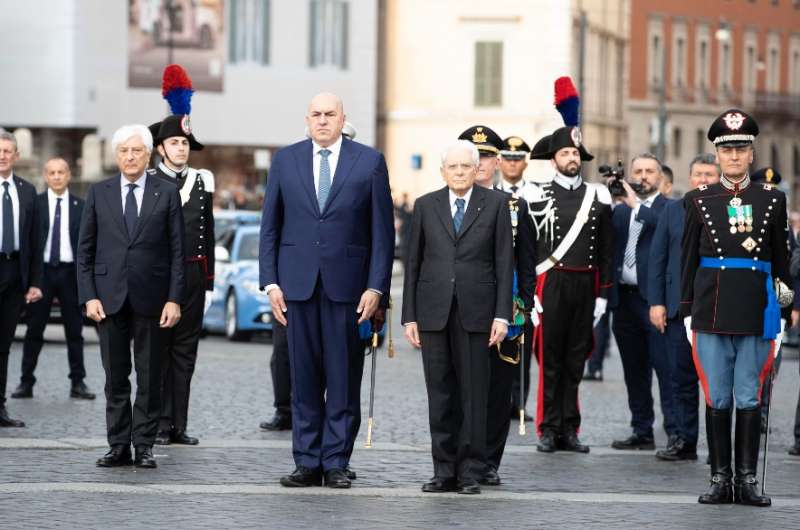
(347, 158)
(474, 209)
(74, 221)
(113, 196)
(21, 197)
(305, 168)
(152, 192)
(443, 211)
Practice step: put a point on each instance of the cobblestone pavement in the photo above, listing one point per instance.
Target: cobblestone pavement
(48, 478)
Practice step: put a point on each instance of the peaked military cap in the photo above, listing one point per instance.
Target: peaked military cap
(733, 128)
(514, 148)
(485, 139)
(766, 175)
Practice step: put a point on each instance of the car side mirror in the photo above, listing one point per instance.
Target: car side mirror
(221, 254)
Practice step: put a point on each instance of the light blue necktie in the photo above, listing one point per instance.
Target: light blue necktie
(459, 216)
(324, 179)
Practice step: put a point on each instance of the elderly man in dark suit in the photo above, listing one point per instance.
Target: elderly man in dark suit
(641, 347)
(327, 245)
(20, 271)
(664, 296)
(456, 302)
(130, 276)
(59, 222)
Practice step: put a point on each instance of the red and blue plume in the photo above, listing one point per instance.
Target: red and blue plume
(176, 88)
(567, 101)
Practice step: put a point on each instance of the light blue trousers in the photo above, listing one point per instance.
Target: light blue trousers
(731, 366)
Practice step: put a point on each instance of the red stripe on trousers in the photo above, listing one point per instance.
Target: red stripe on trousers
(701, 375)
(537, 336)
(765, 370)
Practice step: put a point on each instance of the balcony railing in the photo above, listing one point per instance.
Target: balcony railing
(772, 104)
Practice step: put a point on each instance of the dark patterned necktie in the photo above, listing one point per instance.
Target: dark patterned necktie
(458, 218)
(8, 222)
(55, 238)
(131, 211)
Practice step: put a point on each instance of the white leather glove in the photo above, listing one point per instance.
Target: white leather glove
(537, 308)
(687, 324)
(600, 305)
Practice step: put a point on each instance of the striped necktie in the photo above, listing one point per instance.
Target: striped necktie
(633, 239)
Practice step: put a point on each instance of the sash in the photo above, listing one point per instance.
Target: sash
(191, 178)
(572, 234)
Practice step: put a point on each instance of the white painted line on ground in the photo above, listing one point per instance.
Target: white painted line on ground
(410, 493)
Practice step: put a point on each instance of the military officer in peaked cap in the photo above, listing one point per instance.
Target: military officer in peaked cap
(505, 357)
(734, 282)
(174, 141)
(572, 219)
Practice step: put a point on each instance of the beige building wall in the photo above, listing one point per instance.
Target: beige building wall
(427, 78)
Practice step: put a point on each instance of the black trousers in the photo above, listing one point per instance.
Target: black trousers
(126, 424)
(527, 353)
(456, 366)
(12, 297)
(601, 334)
(642, 349)
(58, 281)
(564, 341)
(279, 367)
(498, 420)
(180, 352)
(685, 390)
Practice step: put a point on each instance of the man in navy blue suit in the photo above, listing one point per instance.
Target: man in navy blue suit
(327, 245)
(664, 295)
(641, 347)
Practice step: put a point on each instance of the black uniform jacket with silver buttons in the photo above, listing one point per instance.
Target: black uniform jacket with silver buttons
(198, 221)
(731, 301)
(593, 249)
(524, 248)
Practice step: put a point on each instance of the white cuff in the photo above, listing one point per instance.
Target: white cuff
(503, 320)
(270, 287)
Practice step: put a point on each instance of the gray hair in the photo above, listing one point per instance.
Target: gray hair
(649, 156)
(462, 145)
(704, 158)
(9, 137)
(126, 132)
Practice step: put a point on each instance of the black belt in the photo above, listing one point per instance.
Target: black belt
(627, 288)
(8, 257)
(59, 264)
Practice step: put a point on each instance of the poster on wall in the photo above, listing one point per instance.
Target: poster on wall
(188, 32)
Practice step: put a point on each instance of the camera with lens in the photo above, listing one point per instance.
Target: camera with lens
(617, 174)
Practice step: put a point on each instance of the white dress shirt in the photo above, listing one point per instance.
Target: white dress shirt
(504, 185)
(568, 183)
(138, 191)
(12, 190)
(333, 159)
(629, 275)
(453, 198)
(66, 245)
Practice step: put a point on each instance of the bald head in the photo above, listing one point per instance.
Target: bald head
(57, 175)
(325, 118)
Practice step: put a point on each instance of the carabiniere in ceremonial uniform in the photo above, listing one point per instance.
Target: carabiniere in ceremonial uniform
(196, 187)
(734, 278)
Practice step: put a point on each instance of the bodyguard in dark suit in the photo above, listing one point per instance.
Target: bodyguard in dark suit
(456, 302)
(130, 276)
(641, 347)
(664, 295)
(20, 270)
(59, 221)
(327, 245)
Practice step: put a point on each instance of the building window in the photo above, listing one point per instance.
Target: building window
(796, 160)
(677, 139)
(329, 29)
(702, 66)
(488, 74)
(775, 162)
(750, 71)
(700, 144)
(773, 70)
(248, 31)
(725, 67)
(794, 73)
(656, 59)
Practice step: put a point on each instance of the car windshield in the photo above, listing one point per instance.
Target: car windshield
(248, 247)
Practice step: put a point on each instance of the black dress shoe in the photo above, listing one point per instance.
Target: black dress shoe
(570, 442)
(279, 422)
(795, 449)
(547, 443)
(8, 421)
(302, 477)
(350, 473)
(181, 438)
(635, 442)
(23, 391)
(679, 450)
(81, 391)
(336, 478)
(163, 437)
(491, 478)
(118, 455)
(593, 375)
(144, 457)
(440, 485)
(468, 486)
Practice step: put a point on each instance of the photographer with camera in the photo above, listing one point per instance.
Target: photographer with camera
(642, 347)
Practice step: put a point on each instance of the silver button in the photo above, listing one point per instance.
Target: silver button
(716, 240)
(713, 231)
(723, 267)
(719, 250)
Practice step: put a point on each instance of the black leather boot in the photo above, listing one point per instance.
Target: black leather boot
(718, 431)
(748, 436)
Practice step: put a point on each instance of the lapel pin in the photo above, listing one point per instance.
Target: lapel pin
(156, 194)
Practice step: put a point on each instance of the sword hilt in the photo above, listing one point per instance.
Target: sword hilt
(368, 443)
(522, 422)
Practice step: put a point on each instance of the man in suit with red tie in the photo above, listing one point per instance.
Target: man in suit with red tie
(327, 245)
(59, 220)
(20, 271)
(131, 278)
